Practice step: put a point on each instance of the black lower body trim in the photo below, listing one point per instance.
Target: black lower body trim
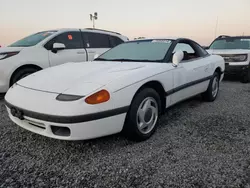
(69, 119)
(93, 116)
(184, 86)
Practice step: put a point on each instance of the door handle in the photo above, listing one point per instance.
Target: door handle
(80, 52)
(206, 68)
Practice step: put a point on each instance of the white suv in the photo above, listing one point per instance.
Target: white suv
(236, 53)
(50, 48)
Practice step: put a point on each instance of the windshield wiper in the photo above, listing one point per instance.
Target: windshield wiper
(20, 46)
(101, 59)
(136, 60)
(128, 60)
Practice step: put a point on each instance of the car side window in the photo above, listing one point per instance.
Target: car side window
(190, 53)
(71, 40)
(115, 41)
(96, 40)
(202, 51)
(184, 47)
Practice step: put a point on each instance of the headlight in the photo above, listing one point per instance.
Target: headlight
(2, 56)
(236, 58)
(240, 58)
(5, 55)
(63, 97)
(98, 97)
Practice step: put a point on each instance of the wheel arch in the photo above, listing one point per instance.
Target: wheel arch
(219, 71)
(158, 87)
(23, 67)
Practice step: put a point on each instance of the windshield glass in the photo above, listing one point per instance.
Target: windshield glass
(231, 43)
(32, 39)
(145, 50)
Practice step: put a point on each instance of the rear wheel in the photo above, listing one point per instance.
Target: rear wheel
(213, 88)
(21, 74)
(142, 118)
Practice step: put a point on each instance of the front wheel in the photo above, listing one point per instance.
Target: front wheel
(142, 118)
(213, 88)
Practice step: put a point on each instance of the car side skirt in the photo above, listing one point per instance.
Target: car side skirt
(184, 86)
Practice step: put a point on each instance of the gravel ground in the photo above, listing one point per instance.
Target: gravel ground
(197, 145)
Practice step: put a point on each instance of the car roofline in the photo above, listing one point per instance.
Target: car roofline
(232, 37)
(90, 29)
(160, 38)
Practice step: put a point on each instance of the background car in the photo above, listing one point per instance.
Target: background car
(125, 89)
(50, 48)
(236, 52)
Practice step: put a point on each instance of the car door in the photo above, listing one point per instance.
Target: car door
(95, 43)
(192, 75)
(73, 52)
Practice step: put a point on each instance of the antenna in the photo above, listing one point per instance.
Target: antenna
(216, 26)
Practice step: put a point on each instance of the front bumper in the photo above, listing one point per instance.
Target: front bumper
(41, 113)
(3, 87)
(4, 82)
(236, 69)
(70, 131)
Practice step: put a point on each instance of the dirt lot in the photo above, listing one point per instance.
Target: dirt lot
(197, 145)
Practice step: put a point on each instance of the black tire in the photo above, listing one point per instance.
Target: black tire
(130, 129)
(21, 74)
(245, 78)
(208, 95)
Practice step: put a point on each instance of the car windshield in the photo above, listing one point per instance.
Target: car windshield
(32, 39)
(138, 51)
(231, 43)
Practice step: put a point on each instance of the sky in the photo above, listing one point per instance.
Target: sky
(195, 19)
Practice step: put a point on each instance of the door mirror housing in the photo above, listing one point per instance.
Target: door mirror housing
(96, 56)
(177, 58)
(58, 46)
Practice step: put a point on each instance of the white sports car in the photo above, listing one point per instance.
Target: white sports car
(125, 89)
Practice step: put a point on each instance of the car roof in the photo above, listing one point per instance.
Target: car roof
(88, 29)
(161, 38)
(113, 33)
(232, 37)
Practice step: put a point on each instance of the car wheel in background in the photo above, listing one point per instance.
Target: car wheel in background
(246, 77)
(143, 116)
(21, 74)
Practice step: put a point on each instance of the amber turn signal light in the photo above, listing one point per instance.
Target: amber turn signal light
(98, 97)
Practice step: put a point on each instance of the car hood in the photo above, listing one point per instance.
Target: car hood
(78, 78)
(10, 49)
(232, 51)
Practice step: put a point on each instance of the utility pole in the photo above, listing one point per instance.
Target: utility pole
(216, 26)
(93, 18)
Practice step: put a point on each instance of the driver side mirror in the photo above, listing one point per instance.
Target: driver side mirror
(58, 46)
(177, 58)
(96, 56)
